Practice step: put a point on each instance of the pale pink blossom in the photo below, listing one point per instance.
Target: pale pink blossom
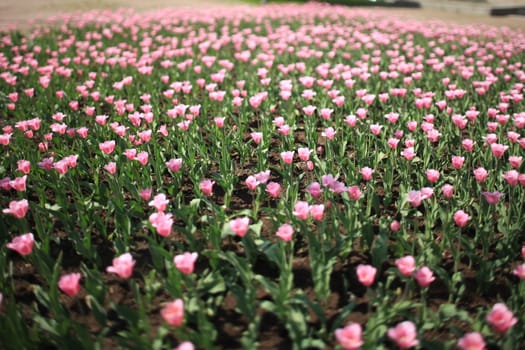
(111, 167)
(162, 223)
(145, 193)
(519, 271)
(498, 150)
(301, 210)
(424, 276)
(366, 173)
(22, 244)
(239, 226)
(461, 218)
(174, 164)
(457, 162)
(366, 274)
(480, 174)
(285, 232)
(404, 334)
(472, 341)
(107, 147)
(206, 187)
(287, 157)
(186, 345)
(350, 337)
(511, 177)
(314, 189)
(317, 211)
(406, 265)
(160, 202)
(492, 197)
(69, 284)
(432, 175)
(395, 226)
(122, 265)
(17, 208)
(24, 166)
(354, 192)
(173, 312)
(185, 263)
(273, 189)
(501, 318)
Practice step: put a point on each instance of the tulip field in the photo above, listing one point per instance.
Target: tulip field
(261, 177)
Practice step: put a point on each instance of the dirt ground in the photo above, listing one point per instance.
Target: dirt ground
(19, 12)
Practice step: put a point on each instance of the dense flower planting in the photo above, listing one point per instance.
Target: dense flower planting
(277, 177)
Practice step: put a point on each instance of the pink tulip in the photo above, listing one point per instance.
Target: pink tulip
(304, 154)
(111, 167)
(515, 161)
(432, 175)
(415, 198)
(174, 164)
(310, 165)
(256, 137)
(448, 191)
(492, 197)
(461, 218)
(406, 265)
(501, 318)
(287, 157)
(519, 271)
(145, 194)
(408, 153)
(263, 176)
(219, 121)
(19, 184)
(317, 211)
(427, 192)
(375, 129)
(273, 189)
(366, 173)
(107, 147)
(350, 337)
(69, 284)
(511, 177)
(206, 187)
(480, 174)
(301, 210)
(457, 162)
(239, 226)
(424, 276)
(23, 244)
(366, 274)
(142, 158)
(185, 346)
(159, 202)
(354, 192)
(314, 189)
(185, 263)
(468, 145)
(285, 232)
(472, 341)
(122, 266)
(329, 133)
(24, 166)
(395, 226)
(404, 334)
(251, 183)
(498, 150)
(173, 312)
(162, 223)
(17, 208)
